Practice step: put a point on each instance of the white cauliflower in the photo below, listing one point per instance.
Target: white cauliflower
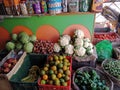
(57, 47)
(79, 33)
(90, 51)
(78, 42)
(64, 41)
(80, 51)
(69, 49)
(86, 39)
(86, 44)
(90, 45)
(67, 36)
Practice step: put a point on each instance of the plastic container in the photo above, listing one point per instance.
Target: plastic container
(53, 87)
(73, 6)
(30, 60)
(36, 7)
(54, 6)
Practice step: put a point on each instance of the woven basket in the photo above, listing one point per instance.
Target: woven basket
(102, 76)
(114, 79)
(116, 53)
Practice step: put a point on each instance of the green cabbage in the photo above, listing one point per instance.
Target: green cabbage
(24, 39)
(10, 46)
(33, 38)
(28, 47)
(21, 34)
(19, 46)
(14, 37)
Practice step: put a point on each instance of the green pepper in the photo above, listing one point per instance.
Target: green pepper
(106, 88)
(93, 86)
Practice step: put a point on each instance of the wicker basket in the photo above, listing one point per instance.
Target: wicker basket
(116, 53)
(102, 76)
(114, 79)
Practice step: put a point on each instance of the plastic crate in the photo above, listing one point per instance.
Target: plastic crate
(53, 87)
(111, 36)
(29, 61)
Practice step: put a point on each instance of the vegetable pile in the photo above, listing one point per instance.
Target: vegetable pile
(32, 75)
(106, 36)
(89, 80)
(43, 47)
(78, 45)
(21, 41)
(113, 68)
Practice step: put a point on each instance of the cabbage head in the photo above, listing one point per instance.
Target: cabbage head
(10, 46)
(21, 34)
(28, 47)
(24, 39)
(19, 46)
(33, 38)
(14, 37)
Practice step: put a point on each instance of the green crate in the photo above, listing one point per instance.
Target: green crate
(30, 60)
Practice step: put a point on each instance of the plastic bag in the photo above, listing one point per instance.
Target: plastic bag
(104, 50)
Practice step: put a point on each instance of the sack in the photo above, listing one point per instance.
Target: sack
(4, 83)
(104, 50)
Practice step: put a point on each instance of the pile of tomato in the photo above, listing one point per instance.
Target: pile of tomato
(106, 36)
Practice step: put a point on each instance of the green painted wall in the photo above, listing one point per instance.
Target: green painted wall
(60, 22)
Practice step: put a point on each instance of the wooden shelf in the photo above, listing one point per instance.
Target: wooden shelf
(27, 16)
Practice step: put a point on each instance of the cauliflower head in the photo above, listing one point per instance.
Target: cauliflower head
(78, 42)
(64, 41)
(57, 47)
(86, 40)
(80, 51)
(69, 49)
(86, 44)
(67, 36)
(79, 33)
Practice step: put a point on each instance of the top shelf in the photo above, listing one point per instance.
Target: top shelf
(27, 16)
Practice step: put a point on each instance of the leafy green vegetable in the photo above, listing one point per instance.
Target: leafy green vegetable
(28, 47)
(14, 37)
(19, 46)
(33, 38)
(10, 46)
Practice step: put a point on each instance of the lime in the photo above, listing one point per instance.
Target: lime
(53, 76)
(51, 72)
(42, 72)
(64, 83)
(62, 80)
(60, 65)
(43, 82)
